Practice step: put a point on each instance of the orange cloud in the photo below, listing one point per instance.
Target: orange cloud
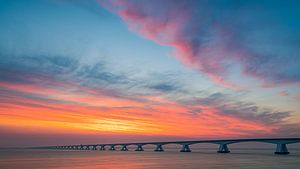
(82, 112)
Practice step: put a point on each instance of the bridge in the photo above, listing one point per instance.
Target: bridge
(281, 145)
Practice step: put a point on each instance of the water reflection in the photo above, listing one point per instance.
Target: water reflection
(171, 158)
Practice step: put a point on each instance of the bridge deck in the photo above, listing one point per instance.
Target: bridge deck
(225, 141)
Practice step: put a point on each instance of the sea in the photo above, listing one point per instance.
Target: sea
(247, 158)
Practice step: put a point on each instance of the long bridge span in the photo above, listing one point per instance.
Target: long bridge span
(281, 145)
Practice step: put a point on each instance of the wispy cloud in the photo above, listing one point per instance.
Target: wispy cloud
(62, 84)
(209, 35)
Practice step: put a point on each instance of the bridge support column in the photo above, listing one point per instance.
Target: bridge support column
(94, 147)
(223, 148)
(76, 147)
(281, 149)
(124, 148)
(185, 148)
(139, 148)
(159, 148)
(112, 148)
(81, 147)
(102, 147)
(87, 147)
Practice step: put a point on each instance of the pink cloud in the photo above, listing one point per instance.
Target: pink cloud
(283, 93)
(168, 31)
(204, 43)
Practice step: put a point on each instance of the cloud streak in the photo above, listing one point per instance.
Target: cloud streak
(92, 98)
(210, 36)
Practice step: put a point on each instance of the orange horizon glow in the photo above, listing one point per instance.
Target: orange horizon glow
(82, 112)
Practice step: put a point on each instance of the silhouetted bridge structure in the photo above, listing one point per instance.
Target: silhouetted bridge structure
(281, 145)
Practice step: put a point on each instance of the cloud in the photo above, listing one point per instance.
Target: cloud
(98, 73)
(164, 87)
(35, 69)
(209, 36)
(61, 84)
(163, 82)
(283, 93)
(297, 96)
(38, 76)
(224, 105)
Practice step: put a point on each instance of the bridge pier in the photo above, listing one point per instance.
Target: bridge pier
(81, 147)
(159, 148)
(139, 148)
(102, 147)
(185, 148)
(87, 147)
(223, 148)
(112, 148)
(94, 147)
(124, 148)
(281, 149)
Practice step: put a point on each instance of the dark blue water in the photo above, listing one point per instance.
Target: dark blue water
(170, 159)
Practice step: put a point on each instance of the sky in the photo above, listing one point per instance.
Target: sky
(99, 71)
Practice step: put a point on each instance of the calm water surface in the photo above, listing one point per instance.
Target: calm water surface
(170, 159)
